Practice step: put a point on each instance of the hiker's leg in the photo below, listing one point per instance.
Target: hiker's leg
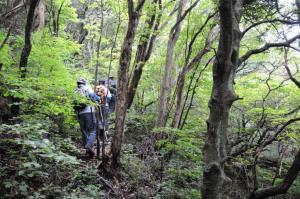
(91, 129)
(82, 119)
(101, 134)
(105, 112)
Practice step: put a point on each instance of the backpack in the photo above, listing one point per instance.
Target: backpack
(78, 101)
(101, 92)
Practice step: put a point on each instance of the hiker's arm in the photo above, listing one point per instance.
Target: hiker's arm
(94, 97)
(108, 95)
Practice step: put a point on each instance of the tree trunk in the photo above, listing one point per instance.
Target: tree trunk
(99, 47)
(144, 51)
(183, 118)
(134, 16)
(57, 18)
(297, 2)
(166, 81)
(181, 78)
(41, 13)
(27, 45)
(222, 97)
(6, 37)
(114, 43)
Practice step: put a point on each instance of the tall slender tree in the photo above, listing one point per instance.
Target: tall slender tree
(144, 49)
(27, 45)
(181, 77)
(41, 13)
(166, 80)
(134, 14)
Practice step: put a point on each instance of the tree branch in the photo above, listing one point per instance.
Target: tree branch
(184, 15)
(268, 21)
(278, 132)
(197, 33)
(14, 10)
(296, 82)
(140, 5)
(266, 47)
(282, 187)
(286, 65)
(212, 36)
(6, 37)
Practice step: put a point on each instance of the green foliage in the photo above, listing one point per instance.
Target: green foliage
(267, 176)
(184, 171)
(253, 89)
(67, 13)
(35, 166)
(294, 190)
(48, 87)
(5, 52)
(137, 174)
(38, 152)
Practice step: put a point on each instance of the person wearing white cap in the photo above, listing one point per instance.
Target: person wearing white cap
(86, 116)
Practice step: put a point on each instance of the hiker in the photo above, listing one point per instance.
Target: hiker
(112, 86)
(86, 116)
(105, 97)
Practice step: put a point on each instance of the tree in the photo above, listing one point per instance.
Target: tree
(223, 95)
(125, 57)
(27, 45)
(293, 171)
(212, 35)
(144, 50)
(41, 13)
(166, 81)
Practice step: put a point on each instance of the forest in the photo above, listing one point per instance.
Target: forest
(128, 99)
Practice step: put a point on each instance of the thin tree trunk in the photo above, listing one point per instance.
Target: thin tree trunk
(134, 16)
(54, 21)
(27, 45)
(114, 43)
(41, 13)
(183, 122)
(181, 78)
(98, 47)
(189, 89)
(297, 2)
(144, 51)
(6, 37)
(166, 81)
(57, 18)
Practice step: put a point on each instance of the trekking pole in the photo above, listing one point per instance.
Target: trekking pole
(104, 128)
(103, 136)
(97, 131)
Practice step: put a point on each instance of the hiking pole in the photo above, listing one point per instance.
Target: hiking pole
(97, 131)
(103, 136)
(104, 127)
